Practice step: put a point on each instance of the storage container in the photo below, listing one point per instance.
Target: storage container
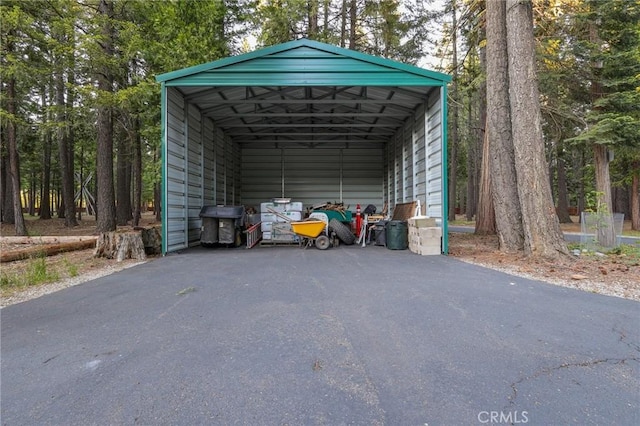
(396, 235)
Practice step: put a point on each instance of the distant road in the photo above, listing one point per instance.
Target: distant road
(569, 236)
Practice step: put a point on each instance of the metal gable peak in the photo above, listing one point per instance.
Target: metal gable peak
(304, 56)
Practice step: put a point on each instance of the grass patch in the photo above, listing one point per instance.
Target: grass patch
(71, 268)
(35, 273)
(625, 253)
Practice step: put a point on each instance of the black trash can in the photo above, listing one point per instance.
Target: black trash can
(397, 235)
(378, 233)
(222, 225)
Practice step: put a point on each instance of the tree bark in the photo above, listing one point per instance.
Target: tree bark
(502, 164)
(353, 14)
(137, 175)
(47, 249)
(123, 191)
(14, 162)
(66, 174)
(542, 234)
(453, 161)
(563, 194)
(312, 32)
(7, 192)
(45, 197)
(485, 216)
(343, 24)
(106, 220)
(606, 233)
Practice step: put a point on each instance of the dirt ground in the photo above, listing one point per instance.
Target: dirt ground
(610, 274)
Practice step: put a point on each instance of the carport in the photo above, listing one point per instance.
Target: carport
(303, 120)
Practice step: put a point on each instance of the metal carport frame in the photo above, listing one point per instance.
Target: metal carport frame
(327, 122)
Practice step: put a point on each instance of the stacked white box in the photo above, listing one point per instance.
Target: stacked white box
(273, 214)
(424, 238)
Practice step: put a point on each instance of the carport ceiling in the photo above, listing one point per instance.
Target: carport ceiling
(308, 94)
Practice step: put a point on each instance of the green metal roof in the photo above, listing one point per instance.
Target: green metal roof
(302, 63)
(306, 92)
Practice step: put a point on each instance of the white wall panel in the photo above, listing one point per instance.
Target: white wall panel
(313, 176)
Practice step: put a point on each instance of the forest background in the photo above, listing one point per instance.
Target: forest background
(80, 108)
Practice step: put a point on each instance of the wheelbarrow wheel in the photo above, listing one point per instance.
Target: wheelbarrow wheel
(342, 231)
(322, 242)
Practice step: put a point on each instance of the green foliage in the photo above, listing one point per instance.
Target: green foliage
(71, 268)
(35, 273)
(607, 39)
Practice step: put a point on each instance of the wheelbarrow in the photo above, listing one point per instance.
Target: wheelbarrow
(312, 232)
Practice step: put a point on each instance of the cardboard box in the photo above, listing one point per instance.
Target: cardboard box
(283, 232)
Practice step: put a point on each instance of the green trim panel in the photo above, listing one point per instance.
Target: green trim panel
(303, 56)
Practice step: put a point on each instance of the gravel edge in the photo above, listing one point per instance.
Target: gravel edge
(591, 286)
(30, 293)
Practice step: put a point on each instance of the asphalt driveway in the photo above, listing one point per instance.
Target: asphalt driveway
(350, 335)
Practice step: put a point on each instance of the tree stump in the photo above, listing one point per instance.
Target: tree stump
(120, 245)
(151, 239)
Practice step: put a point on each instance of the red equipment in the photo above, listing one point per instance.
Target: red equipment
(358, 220)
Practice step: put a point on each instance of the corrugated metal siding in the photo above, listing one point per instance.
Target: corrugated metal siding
(209, 164)
(220, 169)
(418, 141)
(362, 177)
(176, 176)
(313, 176)
(195, 173)
(434, 159)
(202, 169)
(405, 162)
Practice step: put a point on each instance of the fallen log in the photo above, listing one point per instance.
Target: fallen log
(45, 250)
(47, 239)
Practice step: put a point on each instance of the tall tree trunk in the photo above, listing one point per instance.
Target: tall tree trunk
(45, 197)
(563, 193)
(137, 175)
(8, 214)
(579, 171)
(123, 189)
(472, 184)
(312, 32)
(32, 193)
(343, 24)
(106, 220)
(14, 162)
(542, 234)
(157, 201)
(71, 134)
(486, 215)
(66, 174)
(453, 175)
(606, 233)
(634, 199)
(353, 15)
(504, 184)
(480, 139)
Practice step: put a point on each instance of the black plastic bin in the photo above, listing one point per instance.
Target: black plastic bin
(222, 225)
(397, 235)
(378, 232)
